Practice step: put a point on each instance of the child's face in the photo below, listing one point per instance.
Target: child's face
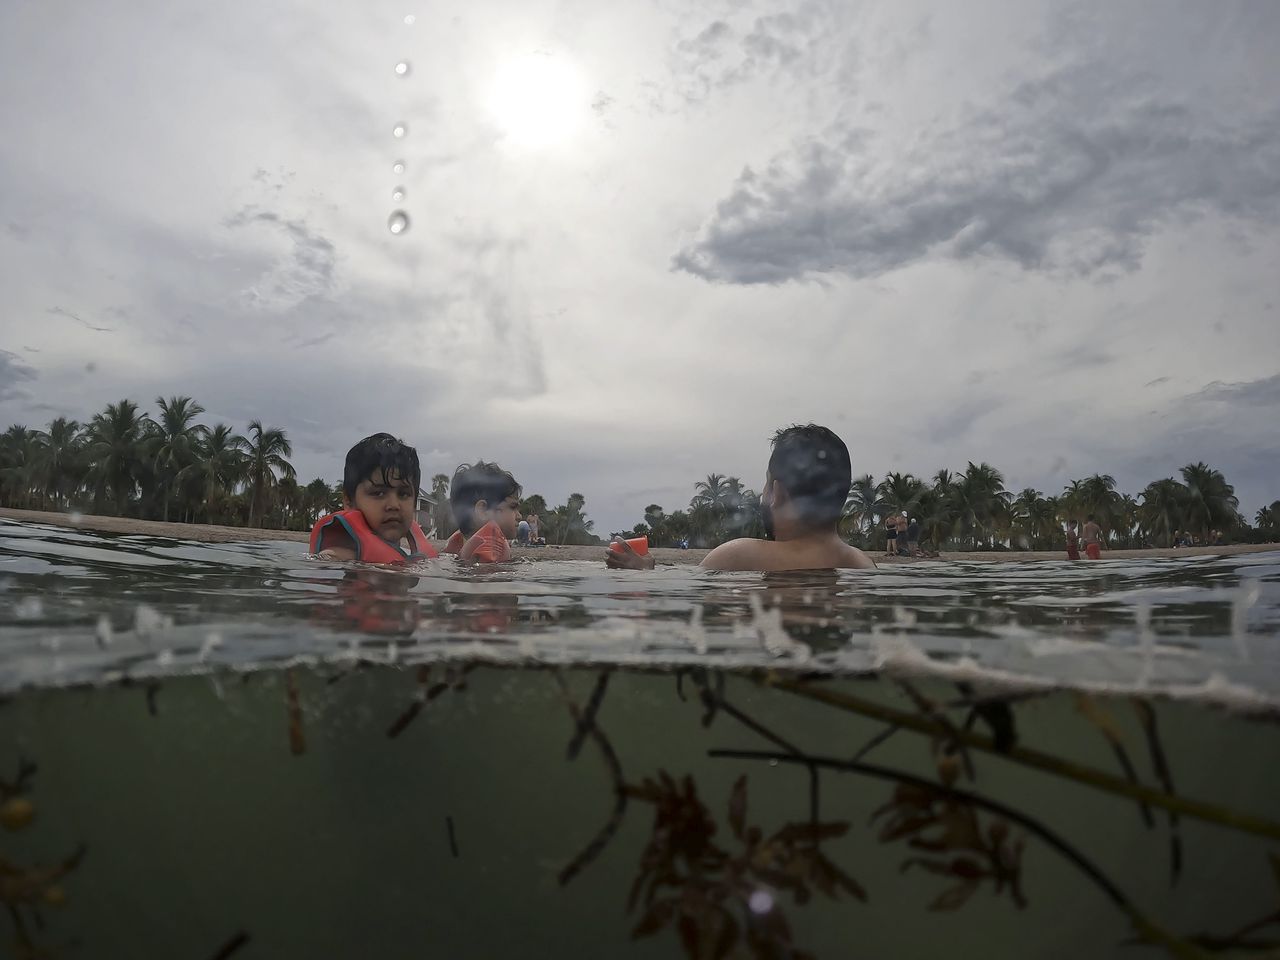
(387, 503)
(505, 514)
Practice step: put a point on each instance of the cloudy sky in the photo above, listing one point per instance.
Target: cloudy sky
(641, 237)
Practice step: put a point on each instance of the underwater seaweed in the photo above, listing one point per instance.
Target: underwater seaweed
(714, 897)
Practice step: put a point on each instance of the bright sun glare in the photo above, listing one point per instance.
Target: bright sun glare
(538, 100)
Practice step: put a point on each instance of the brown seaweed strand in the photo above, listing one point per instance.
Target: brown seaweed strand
(297, 741)
(1147, 717)
(605, 834)
(1146, 927)
(588, 719)
(1102, 721)
(952, 734)
(1037, 759)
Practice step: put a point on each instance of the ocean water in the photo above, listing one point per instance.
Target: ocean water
(232, 750)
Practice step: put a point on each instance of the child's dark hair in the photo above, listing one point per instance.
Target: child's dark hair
(473, 482)
(813, 464)
(380, 452)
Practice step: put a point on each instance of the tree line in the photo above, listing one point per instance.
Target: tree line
(972, 510)
(169, 466)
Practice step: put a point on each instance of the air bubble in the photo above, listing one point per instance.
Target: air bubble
(398, 222)
(398, 167)
(399, 130)
(402, 68)
(397, 194)
(410, 20)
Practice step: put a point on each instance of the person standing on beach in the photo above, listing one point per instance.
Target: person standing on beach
(891, 535)
(913, 538)
(1092, 538)
(1073, 541)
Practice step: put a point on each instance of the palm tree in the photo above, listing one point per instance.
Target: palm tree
(1161, 511)
(218, 464)
(267, 449)
(981, 502)
(862, 505)
(1032, 517)
(442, 513)
(116, 449)
(900, 492)
(1098, 497)
(1211, 501)
(58, 460)
(1268, 519)
(710, 492)
(18, 464)
(174, 442)
(316, 496)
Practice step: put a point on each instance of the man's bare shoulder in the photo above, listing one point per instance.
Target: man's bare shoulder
(855, 559)
(745, 553)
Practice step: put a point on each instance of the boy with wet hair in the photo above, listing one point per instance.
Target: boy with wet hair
(805, 489)
(379, 499)
(486, 505)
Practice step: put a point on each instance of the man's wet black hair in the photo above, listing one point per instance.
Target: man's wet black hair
(473, 482)
(812, 463)
(381, 454)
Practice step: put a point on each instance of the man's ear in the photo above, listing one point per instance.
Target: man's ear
(780, 495)
(480, 511)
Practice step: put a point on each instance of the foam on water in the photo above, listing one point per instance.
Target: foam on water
(83, 607)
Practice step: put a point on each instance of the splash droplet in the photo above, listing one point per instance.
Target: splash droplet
(399, 130)
(402, 68)
(398, 222)
(397, 194)
(409, 20)
(398, 167)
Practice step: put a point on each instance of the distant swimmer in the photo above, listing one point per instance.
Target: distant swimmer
(1092, 538)
(1073, 541)
(805, 488)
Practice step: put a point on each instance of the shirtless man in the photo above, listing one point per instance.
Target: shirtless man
(1092, 536)
(805, 488)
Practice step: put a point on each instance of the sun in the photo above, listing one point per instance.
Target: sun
(538, 100)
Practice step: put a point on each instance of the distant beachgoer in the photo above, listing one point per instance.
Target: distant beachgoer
(902, 535)
(534, 526)
(1073, 541)
(805, 487)
(913, 538)
(1092, 538)
(891, 535)
(522, 533)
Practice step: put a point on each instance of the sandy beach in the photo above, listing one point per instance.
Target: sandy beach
(208, 533)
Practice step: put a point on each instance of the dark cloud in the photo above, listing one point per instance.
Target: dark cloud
(60, 312)
(1264, 392)
(1069, 173)
(1081, 357)
(958, 418)
(307, 272)
(1157, 381)
(12, 373)
(740, 48)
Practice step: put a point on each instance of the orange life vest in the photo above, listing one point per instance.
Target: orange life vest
(486, 545)
(371, 548)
